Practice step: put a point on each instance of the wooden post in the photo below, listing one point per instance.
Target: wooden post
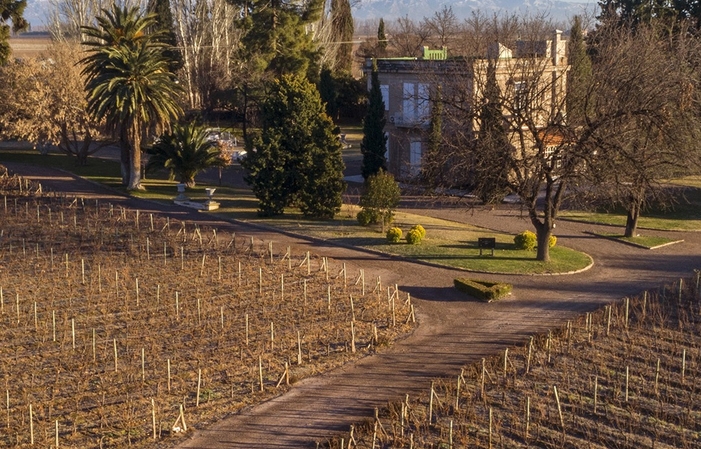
(528, 416)
(627, 377)
(559, 409)
(153, 418)
(506, 358)
(683, 363)
(596, 392)
(490, 427)
(260, 371)
(528, 359)
(143, 365)
(627, 307)
(56, 435)
(657, 375)
(482, 381)
(114, 343)
(299, 349)
(31, 425)
(94, 352)
(53, 323)
(608, 322)
(73, 332)
(168, 375)
(430, 406)
(246, 329)
(199, 384)
(177, 306)
(353, 339)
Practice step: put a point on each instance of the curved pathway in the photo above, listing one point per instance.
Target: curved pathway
(451, 333)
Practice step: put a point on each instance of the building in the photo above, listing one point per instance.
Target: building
(533, 76)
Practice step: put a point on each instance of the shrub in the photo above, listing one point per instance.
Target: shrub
(421, 230)
(394, 235)
(366, 217)
(413, 237)
(552, 241)
(483, 290)
(526, 240)
(380, 196)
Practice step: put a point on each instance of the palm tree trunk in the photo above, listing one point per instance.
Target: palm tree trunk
(135, 168)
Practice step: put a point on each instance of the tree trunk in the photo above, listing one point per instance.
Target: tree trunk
(124, 160)
(543, 236)
(135, 159)
(632, 221)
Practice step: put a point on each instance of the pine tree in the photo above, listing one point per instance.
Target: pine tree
(579, 74)
(10, 10)
(297, 158)
(329, 92)
(276, 40)
(374, 143)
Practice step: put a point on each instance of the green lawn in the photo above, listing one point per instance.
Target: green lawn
(447, 243)
(649, 242)
(661, 223)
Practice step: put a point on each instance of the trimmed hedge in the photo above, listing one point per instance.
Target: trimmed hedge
(484, 290)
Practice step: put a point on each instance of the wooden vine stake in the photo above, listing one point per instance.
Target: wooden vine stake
(56, 435)
(31, 425)
(528, 417)
(430, 406)
(490, 427)
(683, 364)
(199, 384)
(657, 375)
(528, 359)
(114, 343)
(482, 381)
(596, 392)
(299, 349)
(153, 419)
(168, 375)
(627, 377)
(260, 371)
(353, 338)
(559, 410)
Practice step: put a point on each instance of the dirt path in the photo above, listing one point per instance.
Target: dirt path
(452, 332)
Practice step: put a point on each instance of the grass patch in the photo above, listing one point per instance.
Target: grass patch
(665, 223)
(446, 243)
(649, 242)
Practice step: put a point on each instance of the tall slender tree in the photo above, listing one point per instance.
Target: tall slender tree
(579, 75)
(342, 36)
(381, 36)
(165, 26)
(129, 84)
(10, 11)
(374, 143)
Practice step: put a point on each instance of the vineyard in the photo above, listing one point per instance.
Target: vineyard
(625, 376)
(122, 328)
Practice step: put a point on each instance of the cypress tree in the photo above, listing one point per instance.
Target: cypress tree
(165, 27)
(374, 143)
(381, 36)
(579, 75)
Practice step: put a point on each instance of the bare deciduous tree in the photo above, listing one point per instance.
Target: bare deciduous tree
(44, 102)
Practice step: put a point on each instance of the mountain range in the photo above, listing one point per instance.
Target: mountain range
(37, 10)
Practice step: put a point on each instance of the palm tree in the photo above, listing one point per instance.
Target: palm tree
(129, 83)
(185, 151)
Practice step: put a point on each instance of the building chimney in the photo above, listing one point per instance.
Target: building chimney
(555, 50)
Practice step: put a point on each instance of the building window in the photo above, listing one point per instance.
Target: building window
(520, 94)
(422, 103)
(384, 88)
(409, 102)
(415, 155)
(551, 158)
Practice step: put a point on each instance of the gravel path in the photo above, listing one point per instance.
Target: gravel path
(451, 331)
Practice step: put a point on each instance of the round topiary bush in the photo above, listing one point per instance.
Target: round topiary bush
(421, 230)
(413, 237)
(526, 240)
(552, 241)
(394, 235)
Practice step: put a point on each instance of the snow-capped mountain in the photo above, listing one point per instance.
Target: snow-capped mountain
(37, 10)
(418, 9)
